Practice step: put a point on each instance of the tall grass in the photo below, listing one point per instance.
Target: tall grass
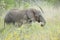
(51, 31)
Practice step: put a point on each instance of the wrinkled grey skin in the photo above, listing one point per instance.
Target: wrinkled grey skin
(24, 16)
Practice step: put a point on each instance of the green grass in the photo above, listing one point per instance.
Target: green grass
(51, 31)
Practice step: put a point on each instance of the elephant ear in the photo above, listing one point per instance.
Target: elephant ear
(36, 12)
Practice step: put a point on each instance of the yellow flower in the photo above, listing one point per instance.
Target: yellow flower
(9, 36)
(27, 36)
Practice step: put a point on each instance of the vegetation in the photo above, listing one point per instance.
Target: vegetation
(51, 31)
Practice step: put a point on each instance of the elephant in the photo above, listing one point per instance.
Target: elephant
(24, 16)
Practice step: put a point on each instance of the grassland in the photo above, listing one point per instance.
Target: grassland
(51, 31)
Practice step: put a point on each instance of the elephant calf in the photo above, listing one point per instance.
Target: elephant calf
(24, 16)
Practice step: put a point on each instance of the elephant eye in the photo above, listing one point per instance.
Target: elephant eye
(30, 21)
